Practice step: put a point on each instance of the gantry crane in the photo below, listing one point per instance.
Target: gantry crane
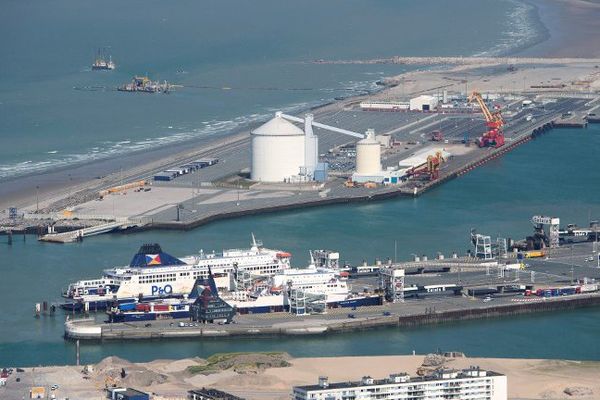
(494, 122)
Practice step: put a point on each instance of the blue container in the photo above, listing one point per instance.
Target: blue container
(127, 306)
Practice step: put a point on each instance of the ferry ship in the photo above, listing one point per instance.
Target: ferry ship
(575, 234)
(102, 63)
(320, 286)
(154, 274)
(171, 308)
(150, 311)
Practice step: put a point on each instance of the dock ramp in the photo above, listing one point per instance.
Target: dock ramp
(79, 234)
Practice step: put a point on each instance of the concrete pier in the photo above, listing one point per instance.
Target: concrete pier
(209, 194)
(391, 315)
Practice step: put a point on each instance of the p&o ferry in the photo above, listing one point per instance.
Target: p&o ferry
(154, 274)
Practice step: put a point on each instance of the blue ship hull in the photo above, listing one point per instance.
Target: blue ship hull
(361, 302)
(103, 305)
(148, 316)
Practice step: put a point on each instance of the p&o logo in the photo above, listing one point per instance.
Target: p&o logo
(161, 291)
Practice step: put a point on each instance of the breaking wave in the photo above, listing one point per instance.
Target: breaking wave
(173, 134)
(108, 149)
(523, 29)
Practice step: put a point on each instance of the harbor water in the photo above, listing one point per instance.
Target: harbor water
(552, 175)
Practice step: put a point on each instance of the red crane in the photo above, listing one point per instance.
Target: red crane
(431, 169)
(494, 122)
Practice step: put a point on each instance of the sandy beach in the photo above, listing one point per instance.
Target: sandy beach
(527, 378)
(572, 26)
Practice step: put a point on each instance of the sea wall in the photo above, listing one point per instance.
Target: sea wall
(85, 330)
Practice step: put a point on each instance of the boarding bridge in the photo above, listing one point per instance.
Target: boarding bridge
(302, 303)
(78, 234)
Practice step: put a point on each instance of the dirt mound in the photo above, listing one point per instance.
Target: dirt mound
(578, 391)
(110, 363)
(243, 363)
(115, 371)
(433, 360)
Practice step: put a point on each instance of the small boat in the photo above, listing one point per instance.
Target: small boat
(145, 85)
(102, 62)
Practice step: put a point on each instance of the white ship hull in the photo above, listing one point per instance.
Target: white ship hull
(154, 274)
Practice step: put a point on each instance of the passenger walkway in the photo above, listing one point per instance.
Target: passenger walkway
(79, 234)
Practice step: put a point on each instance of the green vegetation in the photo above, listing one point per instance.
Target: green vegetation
(240, 362)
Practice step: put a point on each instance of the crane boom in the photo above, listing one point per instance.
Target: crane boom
(494, 122)
(484, 108)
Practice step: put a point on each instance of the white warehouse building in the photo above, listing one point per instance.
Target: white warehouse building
(423, 103)
(278, 151)
(472, 384)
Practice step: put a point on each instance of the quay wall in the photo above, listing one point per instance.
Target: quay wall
(85, 331)
(499, 311)
(381, 195)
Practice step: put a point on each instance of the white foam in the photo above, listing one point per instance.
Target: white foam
(520, 31)
(107, 149)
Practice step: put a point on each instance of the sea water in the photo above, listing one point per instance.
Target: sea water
(238, 62)
(552, 175)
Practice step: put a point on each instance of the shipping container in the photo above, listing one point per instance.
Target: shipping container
(534, 254)
(163, 176)
(127, 306)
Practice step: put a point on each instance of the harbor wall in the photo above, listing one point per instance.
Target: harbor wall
(392, 192)
(85, 331)
(499, 311)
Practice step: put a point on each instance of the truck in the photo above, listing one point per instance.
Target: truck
(534, 254)
(437, 136)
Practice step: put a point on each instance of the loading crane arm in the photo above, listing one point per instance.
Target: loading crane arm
(494, 122)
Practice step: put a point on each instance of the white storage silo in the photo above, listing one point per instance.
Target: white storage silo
(278, 150)
(368, 155)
